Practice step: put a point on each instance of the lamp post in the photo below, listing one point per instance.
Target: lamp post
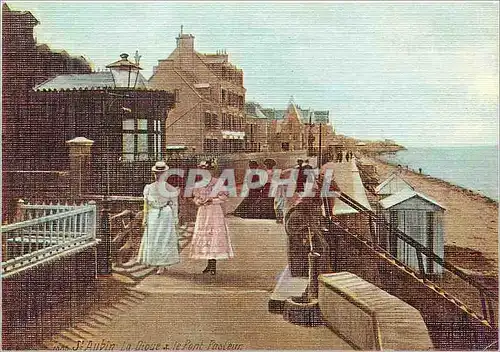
(125, 75)
(124, 72)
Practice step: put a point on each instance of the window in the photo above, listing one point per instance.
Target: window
(211, 145)
(211, 121)
(207, 119)
(225, 122)
(140, 143)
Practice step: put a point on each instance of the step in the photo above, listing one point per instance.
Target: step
(70, 336)
(134, 299)
(136, 293)
(84, 335)
(142, 273)
(63, 341)
(88, 328)
(54, 345)
(104, 314)
(121, 307)
(97, 326)
(110, 311)
(98, 318)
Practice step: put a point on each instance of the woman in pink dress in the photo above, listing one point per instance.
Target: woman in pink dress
(211, 236)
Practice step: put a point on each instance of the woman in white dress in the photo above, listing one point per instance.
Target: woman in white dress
(159, 245)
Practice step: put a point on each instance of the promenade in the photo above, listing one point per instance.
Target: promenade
(184, 309)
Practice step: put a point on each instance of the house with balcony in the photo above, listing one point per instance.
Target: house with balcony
(209, 115)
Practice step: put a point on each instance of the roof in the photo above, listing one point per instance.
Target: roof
(26, 14)
(347, 177)
(214, 58)
(123, 63)
(94, 80)
(403, 196)
(395, 179)
(293, 113)
(260, 114)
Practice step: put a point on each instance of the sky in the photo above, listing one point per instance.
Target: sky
(420, 73)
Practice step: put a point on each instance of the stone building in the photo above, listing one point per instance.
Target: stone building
(288, 134)
(311, 123)
(209, 115)
(256, 129)
(24, 65)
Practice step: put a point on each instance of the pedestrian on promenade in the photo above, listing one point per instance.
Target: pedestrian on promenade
(279, 203)
(339, 156)
(211, 239)
(159, 245)
(250, 207)
(267, 210)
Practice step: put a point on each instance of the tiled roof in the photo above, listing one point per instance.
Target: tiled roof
(95, 80)
(259, 113)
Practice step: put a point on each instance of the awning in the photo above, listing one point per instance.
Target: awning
(176, 147)
(233, 135)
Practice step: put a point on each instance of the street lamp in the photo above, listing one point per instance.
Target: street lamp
(125, 73)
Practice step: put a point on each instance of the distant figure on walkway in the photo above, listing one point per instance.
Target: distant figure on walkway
(249, 208)
(266, 204)
(347, 156)
(299, 163)
(211, 235)
(339, 156)
(159, 244)
(279, 203)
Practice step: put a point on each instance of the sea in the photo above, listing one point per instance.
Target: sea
(471, 167)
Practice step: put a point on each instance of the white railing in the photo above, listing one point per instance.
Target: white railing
(47, 232)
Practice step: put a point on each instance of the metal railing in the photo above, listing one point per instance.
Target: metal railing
(45, 233)
(487, 296)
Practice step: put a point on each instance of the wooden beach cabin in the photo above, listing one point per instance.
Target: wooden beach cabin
(393, 184)
(421, 218)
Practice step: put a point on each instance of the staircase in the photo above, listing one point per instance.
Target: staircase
(81, 335)
(451, 322)
(137, 271)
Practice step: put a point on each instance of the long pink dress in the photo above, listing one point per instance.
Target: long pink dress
(211, 236)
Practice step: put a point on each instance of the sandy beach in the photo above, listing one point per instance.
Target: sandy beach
(471, 220)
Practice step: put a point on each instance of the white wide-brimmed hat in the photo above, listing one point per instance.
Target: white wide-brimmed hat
(160, 166)
(203, 164)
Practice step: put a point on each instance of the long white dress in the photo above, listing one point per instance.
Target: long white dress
(159, 245)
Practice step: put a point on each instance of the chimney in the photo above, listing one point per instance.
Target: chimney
(185, 42)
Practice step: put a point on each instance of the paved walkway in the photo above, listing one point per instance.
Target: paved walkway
(184, 309)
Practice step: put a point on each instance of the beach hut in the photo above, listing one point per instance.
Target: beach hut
(392, 185)
(421, 218)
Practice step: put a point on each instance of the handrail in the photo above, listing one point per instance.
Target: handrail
(29, 243)
(418, 246)
(48, 218)
(484, 292)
